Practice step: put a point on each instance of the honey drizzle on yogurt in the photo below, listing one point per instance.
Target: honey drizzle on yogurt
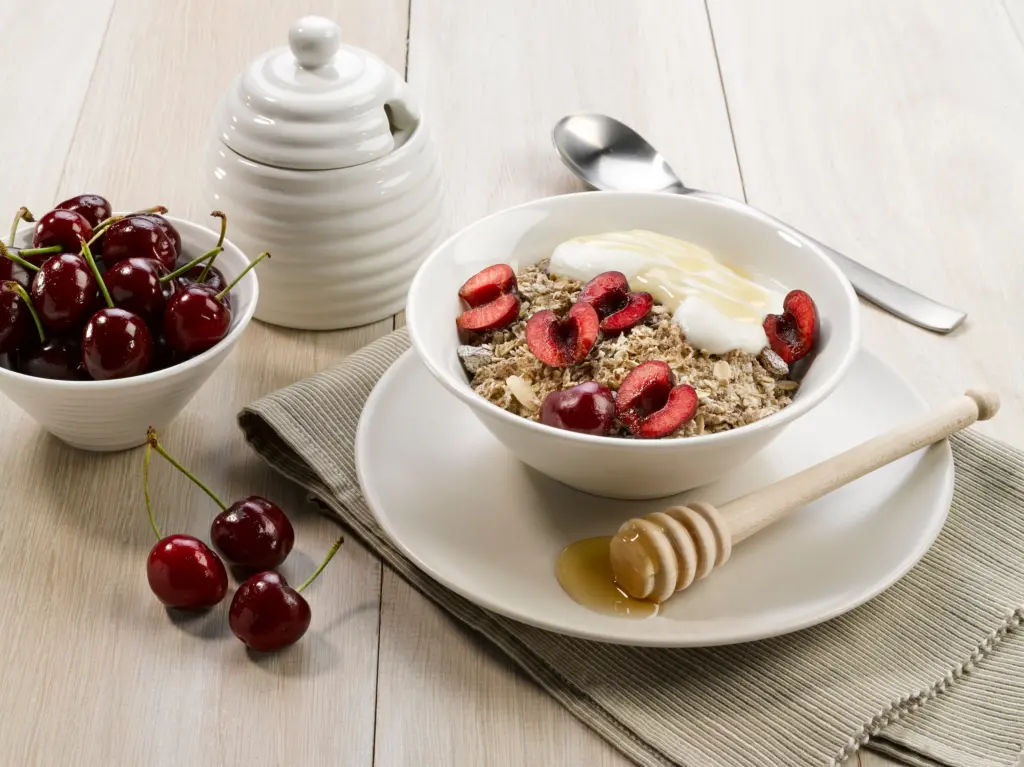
(672, 270)
(718, 308)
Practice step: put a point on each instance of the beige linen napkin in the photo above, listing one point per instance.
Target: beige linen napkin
(930, 672)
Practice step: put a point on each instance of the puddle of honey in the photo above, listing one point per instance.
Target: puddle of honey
(585, 573)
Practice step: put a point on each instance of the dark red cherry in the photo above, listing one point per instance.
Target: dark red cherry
(253, 533)
(166, 226)
(15, 318)
(587, 408)
(66, 228)
(185, 573)
(268, 614)
(182, 571)
(58, 358)
(134, 284)
(93, 207)
(138, 236)
(64, 291)
(116, 344)
(214, 280)
(195, 320)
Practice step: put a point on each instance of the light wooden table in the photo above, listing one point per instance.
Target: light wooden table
(889, 130)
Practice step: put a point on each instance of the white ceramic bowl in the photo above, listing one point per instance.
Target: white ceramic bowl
(623, 468)
(114, 415)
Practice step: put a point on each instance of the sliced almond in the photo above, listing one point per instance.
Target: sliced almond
(523, 392)
(722, 370)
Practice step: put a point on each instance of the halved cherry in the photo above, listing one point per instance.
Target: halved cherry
(563, 341)
(793, 333)
(618, 308)
(495, 315)
(491, 296)
(650, 405)
(487, 285)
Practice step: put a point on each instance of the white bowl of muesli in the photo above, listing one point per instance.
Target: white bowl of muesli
(633, 345)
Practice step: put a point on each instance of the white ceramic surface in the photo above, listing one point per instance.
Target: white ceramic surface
(489, 528)
(114, 415)
(314, 104)
(320, 156)
(620, 468)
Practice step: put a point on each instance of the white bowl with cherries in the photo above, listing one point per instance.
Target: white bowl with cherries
(633, 345)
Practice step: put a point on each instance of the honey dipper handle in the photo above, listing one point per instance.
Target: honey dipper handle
(755, 511)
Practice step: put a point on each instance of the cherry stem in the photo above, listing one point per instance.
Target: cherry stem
(87, 255)
(151, 438)
(190, 265)
(145, 486)
(101, 227)
(220, 296)
(5, 253)
(40, 251)
(114, 219)
(220, 243)
(23, 214)
(328, 558)
(16, 287)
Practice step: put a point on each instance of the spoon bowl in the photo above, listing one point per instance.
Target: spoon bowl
(611, 156)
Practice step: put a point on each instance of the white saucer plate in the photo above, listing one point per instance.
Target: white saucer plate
(481, 523)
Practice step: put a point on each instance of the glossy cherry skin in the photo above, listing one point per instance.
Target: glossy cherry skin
(587, 408)
(12, 271)
(58, 358)
(116, 344)
(214, 281)
(64, 292)
(195, 320)
(268, 614)
(137, 237)
(66, 228)
(15, 320)
(166, 226)
(253, 533)
(93, 207)
(185, 573)
(134, 284)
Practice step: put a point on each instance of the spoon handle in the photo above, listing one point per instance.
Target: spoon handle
(887, 294)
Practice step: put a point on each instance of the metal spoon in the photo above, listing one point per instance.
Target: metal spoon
(609, 155)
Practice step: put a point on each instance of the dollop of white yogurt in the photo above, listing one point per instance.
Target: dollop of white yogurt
(717, 308)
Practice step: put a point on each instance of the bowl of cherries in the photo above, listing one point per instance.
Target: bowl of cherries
(110, 323)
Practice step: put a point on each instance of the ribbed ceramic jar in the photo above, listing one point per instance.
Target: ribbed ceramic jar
(321, 157)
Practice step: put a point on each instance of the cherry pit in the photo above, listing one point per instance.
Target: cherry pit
(253, 534)
(105, 296)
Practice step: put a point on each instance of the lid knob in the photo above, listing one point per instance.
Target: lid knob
(314, 40)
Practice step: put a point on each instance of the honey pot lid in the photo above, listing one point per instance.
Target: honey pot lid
(315, 104)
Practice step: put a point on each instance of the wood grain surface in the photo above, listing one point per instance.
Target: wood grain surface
(887, 130)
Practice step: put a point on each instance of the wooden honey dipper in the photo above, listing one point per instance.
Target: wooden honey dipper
(655, 556)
